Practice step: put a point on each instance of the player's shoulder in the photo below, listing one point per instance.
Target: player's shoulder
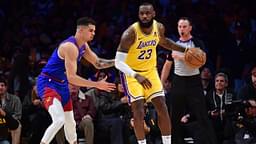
(160, 25)
(129, 32)
(67, 45)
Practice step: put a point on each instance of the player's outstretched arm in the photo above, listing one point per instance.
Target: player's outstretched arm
(166, 42)
(70, 53)
(98, 63)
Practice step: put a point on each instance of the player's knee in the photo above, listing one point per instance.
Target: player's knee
(70, 122)
(70, 126)
(73, 124)
(159, 104)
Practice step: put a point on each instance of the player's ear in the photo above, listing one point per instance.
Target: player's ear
(78, 29)
(154, 14)
(190, 28)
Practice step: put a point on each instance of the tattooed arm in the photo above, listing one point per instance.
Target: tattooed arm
(70, 53)
(99, 63)
(166, 42)
(104, 63)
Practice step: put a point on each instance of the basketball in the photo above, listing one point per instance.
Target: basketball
(195, 57)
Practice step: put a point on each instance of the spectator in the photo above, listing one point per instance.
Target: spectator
(249, 90)
(206, 78)
(7, 122)
(217, 101)
(109, 107)
(246, 133)
(11, 104)
(84, 113)
(247, 123)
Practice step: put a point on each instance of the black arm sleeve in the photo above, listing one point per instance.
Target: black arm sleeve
(199, 43)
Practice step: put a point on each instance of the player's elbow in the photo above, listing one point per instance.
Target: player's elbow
(71, 78)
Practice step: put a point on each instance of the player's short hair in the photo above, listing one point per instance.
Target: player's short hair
(186, 18)
(85, 21)
(147, 4)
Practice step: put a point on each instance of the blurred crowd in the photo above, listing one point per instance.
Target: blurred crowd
(30, 30)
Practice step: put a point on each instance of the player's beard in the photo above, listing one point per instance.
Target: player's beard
(146, 25)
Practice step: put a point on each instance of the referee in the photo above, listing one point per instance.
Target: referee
(187, 92)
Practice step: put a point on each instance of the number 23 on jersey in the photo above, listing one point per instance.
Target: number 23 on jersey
(145, 54)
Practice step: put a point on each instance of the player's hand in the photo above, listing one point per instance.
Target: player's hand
(194, 50)
(106, 86)
(143, 81)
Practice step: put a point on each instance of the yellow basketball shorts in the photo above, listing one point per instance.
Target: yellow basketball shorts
(134, 90)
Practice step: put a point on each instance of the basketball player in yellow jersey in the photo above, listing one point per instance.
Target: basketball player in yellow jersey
(136, 59)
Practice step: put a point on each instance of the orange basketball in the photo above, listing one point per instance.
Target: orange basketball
(195, 57)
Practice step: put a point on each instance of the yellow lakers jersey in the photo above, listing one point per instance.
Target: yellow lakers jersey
(142, 54)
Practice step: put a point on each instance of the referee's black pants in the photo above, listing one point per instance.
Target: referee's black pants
(187, 96)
